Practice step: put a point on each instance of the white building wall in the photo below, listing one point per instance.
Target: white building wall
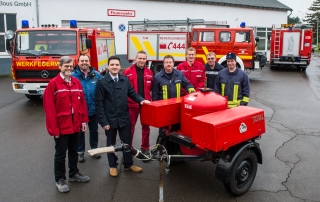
(52, 12)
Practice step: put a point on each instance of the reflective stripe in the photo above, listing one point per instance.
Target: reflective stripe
(223, 86)
(190, 90)
(66, 90)
(165, 92)
(245, 99)
(232, 104)
(212, 72)
(235, 92)
(178, 89)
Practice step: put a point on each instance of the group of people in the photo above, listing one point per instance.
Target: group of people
(79, 97)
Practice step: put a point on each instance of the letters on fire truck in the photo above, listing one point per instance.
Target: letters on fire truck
(160, 38)
(291, 45)
(36, 52)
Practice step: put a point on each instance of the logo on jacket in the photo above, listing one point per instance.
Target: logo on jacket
(243, 128)
(44, 74)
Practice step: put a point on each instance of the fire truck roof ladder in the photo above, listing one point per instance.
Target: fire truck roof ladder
(163, 24)
(276, 41)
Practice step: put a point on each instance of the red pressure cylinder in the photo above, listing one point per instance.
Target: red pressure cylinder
(199, 103)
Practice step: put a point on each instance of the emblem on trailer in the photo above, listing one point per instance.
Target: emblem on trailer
(243, 128)
(44, 74)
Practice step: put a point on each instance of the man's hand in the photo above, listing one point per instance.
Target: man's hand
(107, 127)
(57, 136)
(145, 102)
(84, 127)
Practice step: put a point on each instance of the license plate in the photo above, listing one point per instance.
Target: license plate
(40, 92)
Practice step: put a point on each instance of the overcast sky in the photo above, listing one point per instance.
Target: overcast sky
(297, 5)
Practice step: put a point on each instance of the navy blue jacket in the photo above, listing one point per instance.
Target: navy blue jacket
(89, 86)
(211, 74)
(112, 103)
(164, 88)
(238, 79)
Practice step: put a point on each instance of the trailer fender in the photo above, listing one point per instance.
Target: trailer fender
(239, 61)
(226, 162)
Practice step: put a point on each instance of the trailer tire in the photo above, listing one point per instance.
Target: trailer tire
(157, 67)
(243, 173)
(33, 97)
(304, 69)
(299, 68)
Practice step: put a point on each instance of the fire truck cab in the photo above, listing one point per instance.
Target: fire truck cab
(291, 45)
(173, 37)
(36, 52)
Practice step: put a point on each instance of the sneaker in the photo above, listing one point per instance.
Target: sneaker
(147, 153)
(62, 186)
(134, 168)
(81, 158)
(113, 172)
(96, 156)
(79, 178)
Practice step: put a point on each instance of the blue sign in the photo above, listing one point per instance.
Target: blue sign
(122, 28)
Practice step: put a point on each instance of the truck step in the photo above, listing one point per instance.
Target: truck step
(181, 140)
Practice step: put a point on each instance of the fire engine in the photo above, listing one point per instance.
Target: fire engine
(291, 45)
(36, 52)
(173, 37)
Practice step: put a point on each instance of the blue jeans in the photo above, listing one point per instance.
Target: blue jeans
(93, 134)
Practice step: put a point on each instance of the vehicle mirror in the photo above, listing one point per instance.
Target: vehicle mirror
(248, 37)
(88, 43)
(257, 39)
(8, 46)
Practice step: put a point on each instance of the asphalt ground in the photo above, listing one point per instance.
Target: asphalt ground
(290, 148)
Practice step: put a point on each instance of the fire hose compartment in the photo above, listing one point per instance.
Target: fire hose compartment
(161, 113)
(220, 130)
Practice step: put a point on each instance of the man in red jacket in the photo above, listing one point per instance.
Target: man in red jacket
(194, 71)
(141, 79)
(66, 114)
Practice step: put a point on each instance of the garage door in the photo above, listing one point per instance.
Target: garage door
(90, 24)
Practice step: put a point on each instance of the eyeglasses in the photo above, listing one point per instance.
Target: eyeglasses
(68, 66)
(210, 58)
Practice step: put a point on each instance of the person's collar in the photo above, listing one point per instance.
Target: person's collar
(85, 73)
(113, 76)
(139, 68)
(65, 79)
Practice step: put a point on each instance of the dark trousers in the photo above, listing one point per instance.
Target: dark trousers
(64, 143)
(125, 137)
(93, 134)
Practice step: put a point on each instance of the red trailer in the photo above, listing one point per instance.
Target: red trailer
(291, 45)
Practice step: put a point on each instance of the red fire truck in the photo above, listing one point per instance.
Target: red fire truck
(291, 45)
(36, 52)
(173, 37)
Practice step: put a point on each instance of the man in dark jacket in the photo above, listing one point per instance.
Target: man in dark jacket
(112, 108)
(168, 82)
(88, 77)
(233, 83)
(141, 78)
(212, 69)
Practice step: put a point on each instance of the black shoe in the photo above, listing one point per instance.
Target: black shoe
(81, 158)
(62, 186)
(147, 153)
(96, 156)
(79, 178)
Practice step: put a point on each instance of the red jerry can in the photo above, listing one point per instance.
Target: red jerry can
(196, 104)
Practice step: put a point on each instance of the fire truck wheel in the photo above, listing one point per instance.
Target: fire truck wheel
(33, 97)
(157, 67)
(243, 173)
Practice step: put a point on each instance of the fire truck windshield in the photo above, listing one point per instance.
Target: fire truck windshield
(46, 42)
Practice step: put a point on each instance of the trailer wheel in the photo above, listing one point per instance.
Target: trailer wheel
(33, 97)
(299, 68)
(243, 173)
(157, 67)
(304, 69)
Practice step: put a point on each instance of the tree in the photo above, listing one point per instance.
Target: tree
(313, 17)
(294, 20)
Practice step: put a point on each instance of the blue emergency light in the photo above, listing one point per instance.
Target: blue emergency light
(25, 24)
(242, 24)
(73, 24)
